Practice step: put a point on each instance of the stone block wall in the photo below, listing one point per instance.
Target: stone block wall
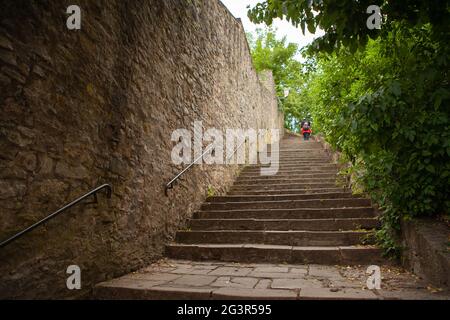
(426, 250)
(79, 108)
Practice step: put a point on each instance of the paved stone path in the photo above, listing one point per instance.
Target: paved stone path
(178, 279)
(298, 234)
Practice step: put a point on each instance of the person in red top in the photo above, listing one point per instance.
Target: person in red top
(306, 130)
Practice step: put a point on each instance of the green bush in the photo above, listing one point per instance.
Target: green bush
(386, 108)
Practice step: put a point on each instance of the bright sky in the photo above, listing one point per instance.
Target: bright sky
(239, 9)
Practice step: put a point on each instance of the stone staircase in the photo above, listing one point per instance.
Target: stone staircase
(275, 237)
(298, 215)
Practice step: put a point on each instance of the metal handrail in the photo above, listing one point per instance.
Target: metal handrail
(57, 212)
(169, 185)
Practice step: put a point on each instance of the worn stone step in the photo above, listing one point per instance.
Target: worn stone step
(274, 172)
(309, 164)
(284, 224)
(205, 280)
(303, 169)
(283, 186)
(289, 204)
(295, 157)
(296, 152)
(292, 145)
(298, 162)
(280, 172)
(303, 213)
(305, 156)
(290, 162)
(260, 253)
(294, 149)
(137, 289)
(268, 180)
(292, 238)
(271, 174)
(295, 146)
(307, 160)
(243, 198)
(285, 191)
(258, 177)
(277, 168)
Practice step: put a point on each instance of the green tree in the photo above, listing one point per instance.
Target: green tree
(387, 109)
(344, 21)
(385, 106)
(270, 53)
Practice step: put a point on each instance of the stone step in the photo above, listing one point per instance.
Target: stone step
(296, 146)
(291, 238)
(292, 166)
(293, 148)
(287, 145)
(289, 204)
(303, 169)
(258, 177)
(298, 162)
(287, 149)
(284, 224)
(268, 180)
(297, 157)
(283, 186)
(283, 172)
(304, 213)
(137, 289)
(306, 159)
(287, 173)
(283, 143)
(260, 253)
(243, 198)
(291, 161)
(285, 191)
(214, 280)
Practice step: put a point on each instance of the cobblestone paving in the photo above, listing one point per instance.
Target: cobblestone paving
(221, 280)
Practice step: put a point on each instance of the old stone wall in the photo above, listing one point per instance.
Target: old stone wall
(426, 250)
(98, 105)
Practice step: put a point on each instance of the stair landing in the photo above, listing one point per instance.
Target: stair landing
(193, 280)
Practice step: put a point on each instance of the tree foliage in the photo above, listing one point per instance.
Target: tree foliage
(385, 106)
(344, 21)
(271, 53)
(387, 109)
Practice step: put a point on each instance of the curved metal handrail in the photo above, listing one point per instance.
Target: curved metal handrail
(57, 212)
(169, 185)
